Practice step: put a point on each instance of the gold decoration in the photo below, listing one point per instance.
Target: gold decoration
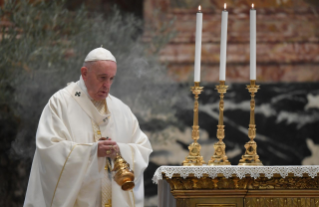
(246, 192)
(219, 157)
(108, 204)
(124, 176)
(248, 183)
(194, 158)
(285, 183)
(183, 202)
(281, 202)
(250, 157)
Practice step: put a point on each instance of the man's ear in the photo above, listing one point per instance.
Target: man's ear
(84, 72)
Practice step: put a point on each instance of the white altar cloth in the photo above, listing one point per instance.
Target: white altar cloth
(239, 171)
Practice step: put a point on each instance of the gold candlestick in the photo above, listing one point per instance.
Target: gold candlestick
(250, 157)
(194, 157)
(219, 157)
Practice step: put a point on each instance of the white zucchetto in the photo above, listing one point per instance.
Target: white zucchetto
(99, 54)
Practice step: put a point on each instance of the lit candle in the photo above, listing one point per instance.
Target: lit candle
(223, 45)
(198, 44)
(252, 43)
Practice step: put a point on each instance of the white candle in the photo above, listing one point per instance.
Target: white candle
(198, 44)
(252, 43)
(223, 45)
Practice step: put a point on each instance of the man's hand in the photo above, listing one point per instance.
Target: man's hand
(107, 148)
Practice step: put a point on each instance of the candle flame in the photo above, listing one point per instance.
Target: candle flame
(252, 6)
(199, 8)
(225, 5)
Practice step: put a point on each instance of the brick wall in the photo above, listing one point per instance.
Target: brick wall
(287, 39)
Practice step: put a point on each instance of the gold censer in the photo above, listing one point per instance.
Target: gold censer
(219, 157)
(124, 176)
(251, 157)
(194, 158)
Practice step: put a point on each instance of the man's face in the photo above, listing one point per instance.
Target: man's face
(98, 77)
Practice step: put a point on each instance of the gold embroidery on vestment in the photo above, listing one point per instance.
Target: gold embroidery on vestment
(109, 203)
(61, 173)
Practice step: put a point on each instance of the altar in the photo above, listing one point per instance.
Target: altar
(248, 183)
(238, 186)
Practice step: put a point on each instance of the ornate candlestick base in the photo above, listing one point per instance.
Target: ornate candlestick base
(251, 157)
(194, 157)
(219, 157)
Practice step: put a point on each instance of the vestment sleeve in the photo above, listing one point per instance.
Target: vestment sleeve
(137, 153)
(61, 164)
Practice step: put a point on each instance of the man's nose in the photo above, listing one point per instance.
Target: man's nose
(107, 84)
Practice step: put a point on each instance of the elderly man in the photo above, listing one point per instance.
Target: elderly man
(81, 128)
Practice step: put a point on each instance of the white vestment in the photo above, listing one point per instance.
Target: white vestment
(66, 171)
